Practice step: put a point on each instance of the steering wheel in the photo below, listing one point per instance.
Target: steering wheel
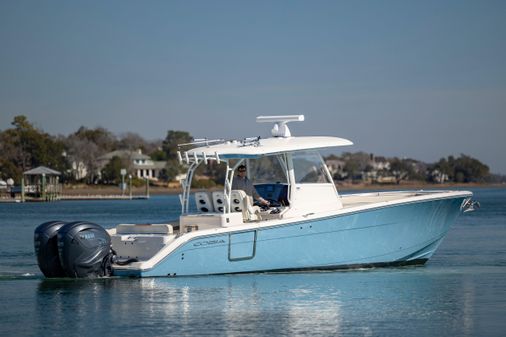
(272, 203)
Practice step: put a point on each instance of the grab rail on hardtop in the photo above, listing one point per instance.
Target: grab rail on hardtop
(280, 129)
(194, 161)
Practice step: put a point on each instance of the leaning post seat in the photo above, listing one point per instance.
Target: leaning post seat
(241, 202)
(163, 229)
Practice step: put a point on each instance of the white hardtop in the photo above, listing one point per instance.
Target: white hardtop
(315, 195)
(257, 147)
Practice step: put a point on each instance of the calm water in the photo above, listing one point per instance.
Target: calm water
(460, 292)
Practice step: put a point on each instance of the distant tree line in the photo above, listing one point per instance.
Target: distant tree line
(463, 169)
(23, 146)
(365, 167)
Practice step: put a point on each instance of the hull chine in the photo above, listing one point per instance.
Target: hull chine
(344, 267)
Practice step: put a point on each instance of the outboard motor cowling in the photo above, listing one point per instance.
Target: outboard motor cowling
(45, 242)
(85, 250)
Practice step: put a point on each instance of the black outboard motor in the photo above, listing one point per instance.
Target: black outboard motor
(85, 250)
(77, 249)
(46, 248)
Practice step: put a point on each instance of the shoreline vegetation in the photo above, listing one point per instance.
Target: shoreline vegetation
(106, 190)
(72, 192)
(94, 163)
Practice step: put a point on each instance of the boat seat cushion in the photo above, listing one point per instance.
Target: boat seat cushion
(243, 203)
(164, 229)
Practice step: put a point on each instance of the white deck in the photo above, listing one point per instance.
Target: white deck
(361, 199)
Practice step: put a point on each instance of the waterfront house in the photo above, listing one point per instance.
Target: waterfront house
(139, 164)
(336, 167)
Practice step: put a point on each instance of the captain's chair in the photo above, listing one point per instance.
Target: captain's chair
(241, 202)
(203, 201)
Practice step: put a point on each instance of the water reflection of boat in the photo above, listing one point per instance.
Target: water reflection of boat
(308, 225)
(371, 303)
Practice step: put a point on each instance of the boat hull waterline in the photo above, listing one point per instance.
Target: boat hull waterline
(400, 234)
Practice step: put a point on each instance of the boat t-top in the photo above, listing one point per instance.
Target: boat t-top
(307, 225)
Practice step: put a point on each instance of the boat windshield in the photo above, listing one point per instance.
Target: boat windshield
(267, 169)
(309, 168)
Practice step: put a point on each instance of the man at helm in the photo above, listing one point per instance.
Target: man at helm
(241, 182)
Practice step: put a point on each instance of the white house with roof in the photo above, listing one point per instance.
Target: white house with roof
(380, 164)
(141, 165)
(335, 166)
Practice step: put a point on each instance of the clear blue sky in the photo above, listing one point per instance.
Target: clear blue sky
(421, 79)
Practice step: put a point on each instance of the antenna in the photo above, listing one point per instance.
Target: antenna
(280, 128)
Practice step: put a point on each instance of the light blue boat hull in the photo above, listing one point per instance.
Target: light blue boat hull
(394, 235)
